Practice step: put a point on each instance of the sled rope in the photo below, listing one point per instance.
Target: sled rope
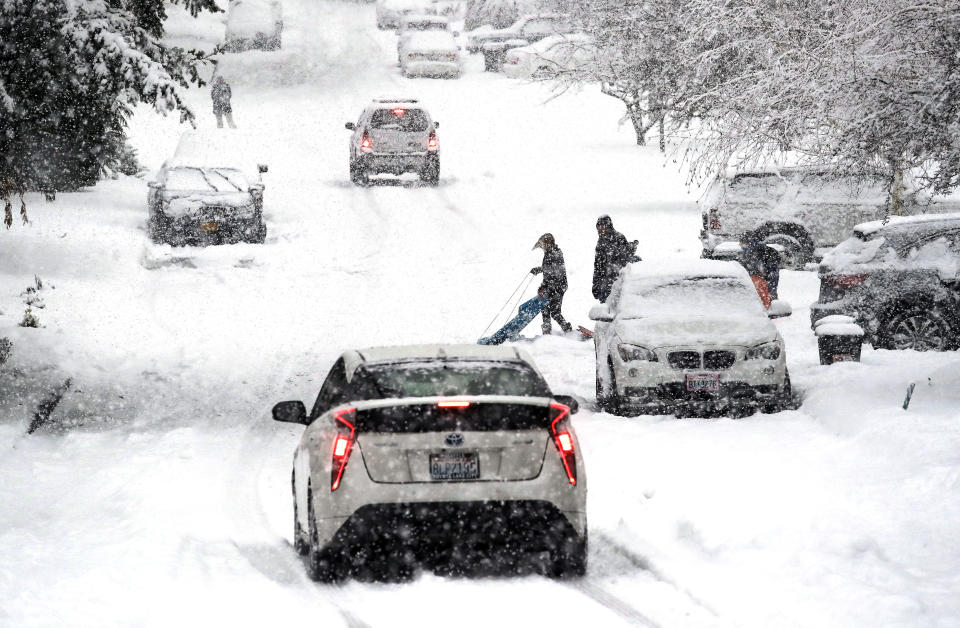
(519, 290)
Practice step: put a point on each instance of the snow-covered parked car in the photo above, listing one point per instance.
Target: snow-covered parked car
(900, 279)
(253, 25)
(528, 29)
(394, 136)
(209, 192)
(415, 455)
(390, 12)
(802, 212)
(687, 336)
(550, 56)
(411, 24)
(433, 54)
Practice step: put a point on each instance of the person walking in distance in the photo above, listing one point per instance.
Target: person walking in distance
(220, 93)
(762, 263)
(554, 282)
(612, 254)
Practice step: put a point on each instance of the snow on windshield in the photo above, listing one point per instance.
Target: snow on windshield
(693, 296)
(207, 179)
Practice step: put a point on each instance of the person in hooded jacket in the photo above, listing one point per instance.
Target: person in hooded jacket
(762, 263)
(220, 94)
(554, 282)
(612, 254)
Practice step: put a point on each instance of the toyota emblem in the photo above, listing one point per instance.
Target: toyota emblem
(454, 440)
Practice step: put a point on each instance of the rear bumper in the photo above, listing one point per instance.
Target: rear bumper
(450, 69)
(205, 230)
(395, 163)
(468, 532)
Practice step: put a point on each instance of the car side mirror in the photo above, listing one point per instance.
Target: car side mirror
(779, 309)
(436, 124)
(290, 412)
(261, 168)
(601, 313)
(568, 401)
(350, 126)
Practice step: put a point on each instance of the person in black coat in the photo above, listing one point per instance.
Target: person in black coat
(221, 94)
(761, 260)
(554, 282)
(612, 254)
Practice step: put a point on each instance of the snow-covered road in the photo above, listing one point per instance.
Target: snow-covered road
(164, 500)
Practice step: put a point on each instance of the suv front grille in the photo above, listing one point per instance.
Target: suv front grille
(718, 360)
(684, 359)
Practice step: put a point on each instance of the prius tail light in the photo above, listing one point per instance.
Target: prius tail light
(342, 445)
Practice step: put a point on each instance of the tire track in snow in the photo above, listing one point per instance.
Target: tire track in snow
(641, 562)
(613, 603)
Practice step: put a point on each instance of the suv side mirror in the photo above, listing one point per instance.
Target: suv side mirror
(350, 126)
(436, 124)
(262, 168)
(568, 401)
(601, 313)
(290, 412)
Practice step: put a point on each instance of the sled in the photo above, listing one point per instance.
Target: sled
(511, 331)
(586, 332)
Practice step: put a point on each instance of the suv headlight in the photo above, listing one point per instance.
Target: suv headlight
(636, 353)
(766, 351)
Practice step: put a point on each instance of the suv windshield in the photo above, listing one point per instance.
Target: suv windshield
(400, 119)
(449, 377)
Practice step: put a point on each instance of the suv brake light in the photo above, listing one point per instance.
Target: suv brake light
(844, 282)
(365, 144)
(433, 143)
(563, 439)
(342, 446)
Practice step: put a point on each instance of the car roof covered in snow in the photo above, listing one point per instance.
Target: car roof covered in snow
(432, 40)
(551, 40)
(929, 222)
(221, 148)
(440, 352)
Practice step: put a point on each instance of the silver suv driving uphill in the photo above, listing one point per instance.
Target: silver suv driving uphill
(449, 457)
(394, 136)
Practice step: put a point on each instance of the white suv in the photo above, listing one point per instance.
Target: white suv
(394, 136)
(438, 456)
(688, 337)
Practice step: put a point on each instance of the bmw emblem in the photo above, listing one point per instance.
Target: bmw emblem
(454, 440)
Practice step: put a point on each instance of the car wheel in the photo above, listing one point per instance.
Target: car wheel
(299, 541)
(321, 565)
(570, 561)
(920, 328)
(794, 256)
(614, 402)
(431, 171)
(359, 175)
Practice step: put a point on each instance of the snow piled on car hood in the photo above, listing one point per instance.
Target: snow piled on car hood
(696, 330)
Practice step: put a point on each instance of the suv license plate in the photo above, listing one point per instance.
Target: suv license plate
(703, 382)
(210, 227)
(463, 465)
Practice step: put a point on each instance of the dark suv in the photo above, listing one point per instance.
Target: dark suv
(900, 278)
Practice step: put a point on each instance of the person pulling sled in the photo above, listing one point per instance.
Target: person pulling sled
(554, 282)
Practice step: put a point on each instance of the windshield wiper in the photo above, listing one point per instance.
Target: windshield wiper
(203, 173)
(228, 180)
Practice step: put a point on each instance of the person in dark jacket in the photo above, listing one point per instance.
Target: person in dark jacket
(612, 254)
(221, 95)
(761, 261)
(554, 282)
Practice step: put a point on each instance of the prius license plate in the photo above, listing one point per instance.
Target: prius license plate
(703, 382)
(462, 465)
(210, 227)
